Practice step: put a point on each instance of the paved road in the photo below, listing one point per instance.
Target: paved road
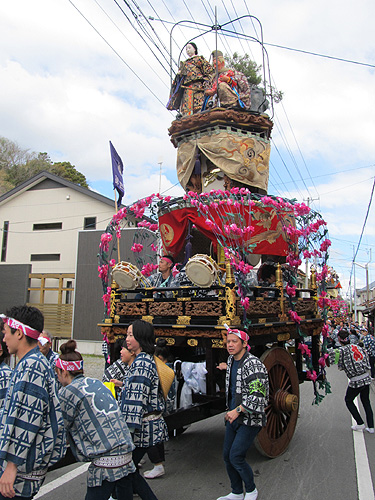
(319, 465)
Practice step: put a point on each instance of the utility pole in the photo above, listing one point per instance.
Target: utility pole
(160, 163)
(307, 261)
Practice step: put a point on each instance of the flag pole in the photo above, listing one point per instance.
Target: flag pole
(118, 239)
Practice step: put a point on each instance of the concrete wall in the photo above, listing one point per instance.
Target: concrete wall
(88, 303)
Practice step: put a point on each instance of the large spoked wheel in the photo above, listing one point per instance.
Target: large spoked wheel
(282, 409)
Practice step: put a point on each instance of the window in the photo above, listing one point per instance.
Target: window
(38, 257)
(89, 223)
(5, 241)
(68, 293)
(47, 226)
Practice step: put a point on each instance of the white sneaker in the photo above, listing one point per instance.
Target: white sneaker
(157, 471)
(358, 427)
(253, 495)
(232, 496)
(370, 430)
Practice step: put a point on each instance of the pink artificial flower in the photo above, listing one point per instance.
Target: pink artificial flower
(311, 376)
(245, 303)
(137, 247)
(291, 290)
(294, 316)
(304, 349)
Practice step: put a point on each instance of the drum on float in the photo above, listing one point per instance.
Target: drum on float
(202, 270)
(127, 275)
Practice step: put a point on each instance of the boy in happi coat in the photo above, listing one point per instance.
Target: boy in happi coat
(96, 430)
(32, 434)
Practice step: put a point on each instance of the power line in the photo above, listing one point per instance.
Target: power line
(321, 55)
(117, 54)
(363, 228)
(130, 43)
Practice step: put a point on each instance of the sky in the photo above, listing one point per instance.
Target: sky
(76, 74)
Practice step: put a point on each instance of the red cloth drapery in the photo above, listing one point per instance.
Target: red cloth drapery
(268, 228)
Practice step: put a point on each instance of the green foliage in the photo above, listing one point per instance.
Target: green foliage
(17, 165)
(246, 66)
(252, 72)
(68, 171)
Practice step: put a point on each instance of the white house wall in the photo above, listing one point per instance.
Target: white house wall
(60, 204)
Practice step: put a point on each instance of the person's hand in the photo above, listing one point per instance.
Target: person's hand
(209, 92)
(116, 382)
(224, 78)
(231, 416)
(222, 366)
(7, 480)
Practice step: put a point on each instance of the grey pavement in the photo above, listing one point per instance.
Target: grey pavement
(319, 464)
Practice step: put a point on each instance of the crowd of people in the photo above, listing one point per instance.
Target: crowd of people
(47, 404)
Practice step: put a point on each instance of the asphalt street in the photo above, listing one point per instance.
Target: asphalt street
(320, 463)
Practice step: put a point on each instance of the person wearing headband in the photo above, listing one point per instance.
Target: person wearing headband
(164, 278)
(26, 451)
(247, 389)
(97, 431)
(5, 370)
(45, 347)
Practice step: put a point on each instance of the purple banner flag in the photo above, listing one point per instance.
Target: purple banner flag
(117, 170)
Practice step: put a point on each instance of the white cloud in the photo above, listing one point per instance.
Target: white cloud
(64, 91)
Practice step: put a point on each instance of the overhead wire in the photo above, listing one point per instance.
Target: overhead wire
(130, 43)
(117, 54)
(363, 229)
(141, 17)
(144, 32)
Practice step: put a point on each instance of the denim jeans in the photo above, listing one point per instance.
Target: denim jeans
(238, 439)
(364, 394)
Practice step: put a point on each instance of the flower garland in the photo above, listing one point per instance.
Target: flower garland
(307, 239)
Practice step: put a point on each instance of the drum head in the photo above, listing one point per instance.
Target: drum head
(200, 272)
(126, 275)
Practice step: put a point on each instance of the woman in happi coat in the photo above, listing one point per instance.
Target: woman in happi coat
(190, 83)
(142, 401)
(97, 431)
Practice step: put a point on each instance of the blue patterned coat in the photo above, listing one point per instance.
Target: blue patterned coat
(5, 376)
(141, 402)
(32, 433)
(252, 389)
(95, 427)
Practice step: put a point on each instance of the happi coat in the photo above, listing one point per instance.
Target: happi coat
(142, 402)
(355, 362)
(5, 376)
(32, 433)
(252, 389)
(96, 428)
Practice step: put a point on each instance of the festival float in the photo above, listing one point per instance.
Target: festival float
(224, 232)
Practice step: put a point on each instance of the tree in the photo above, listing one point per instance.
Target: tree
(252, 72)
(18, 165)
(246, 66)
(68, 171)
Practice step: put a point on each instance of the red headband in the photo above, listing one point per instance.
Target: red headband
(71, 366)
(239, 333)
(167, 259)
(17, 325)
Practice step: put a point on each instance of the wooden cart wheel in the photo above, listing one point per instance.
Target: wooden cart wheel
(282, 409)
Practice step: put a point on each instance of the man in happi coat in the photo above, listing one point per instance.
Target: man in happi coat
(32, 434)
(247, 391)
